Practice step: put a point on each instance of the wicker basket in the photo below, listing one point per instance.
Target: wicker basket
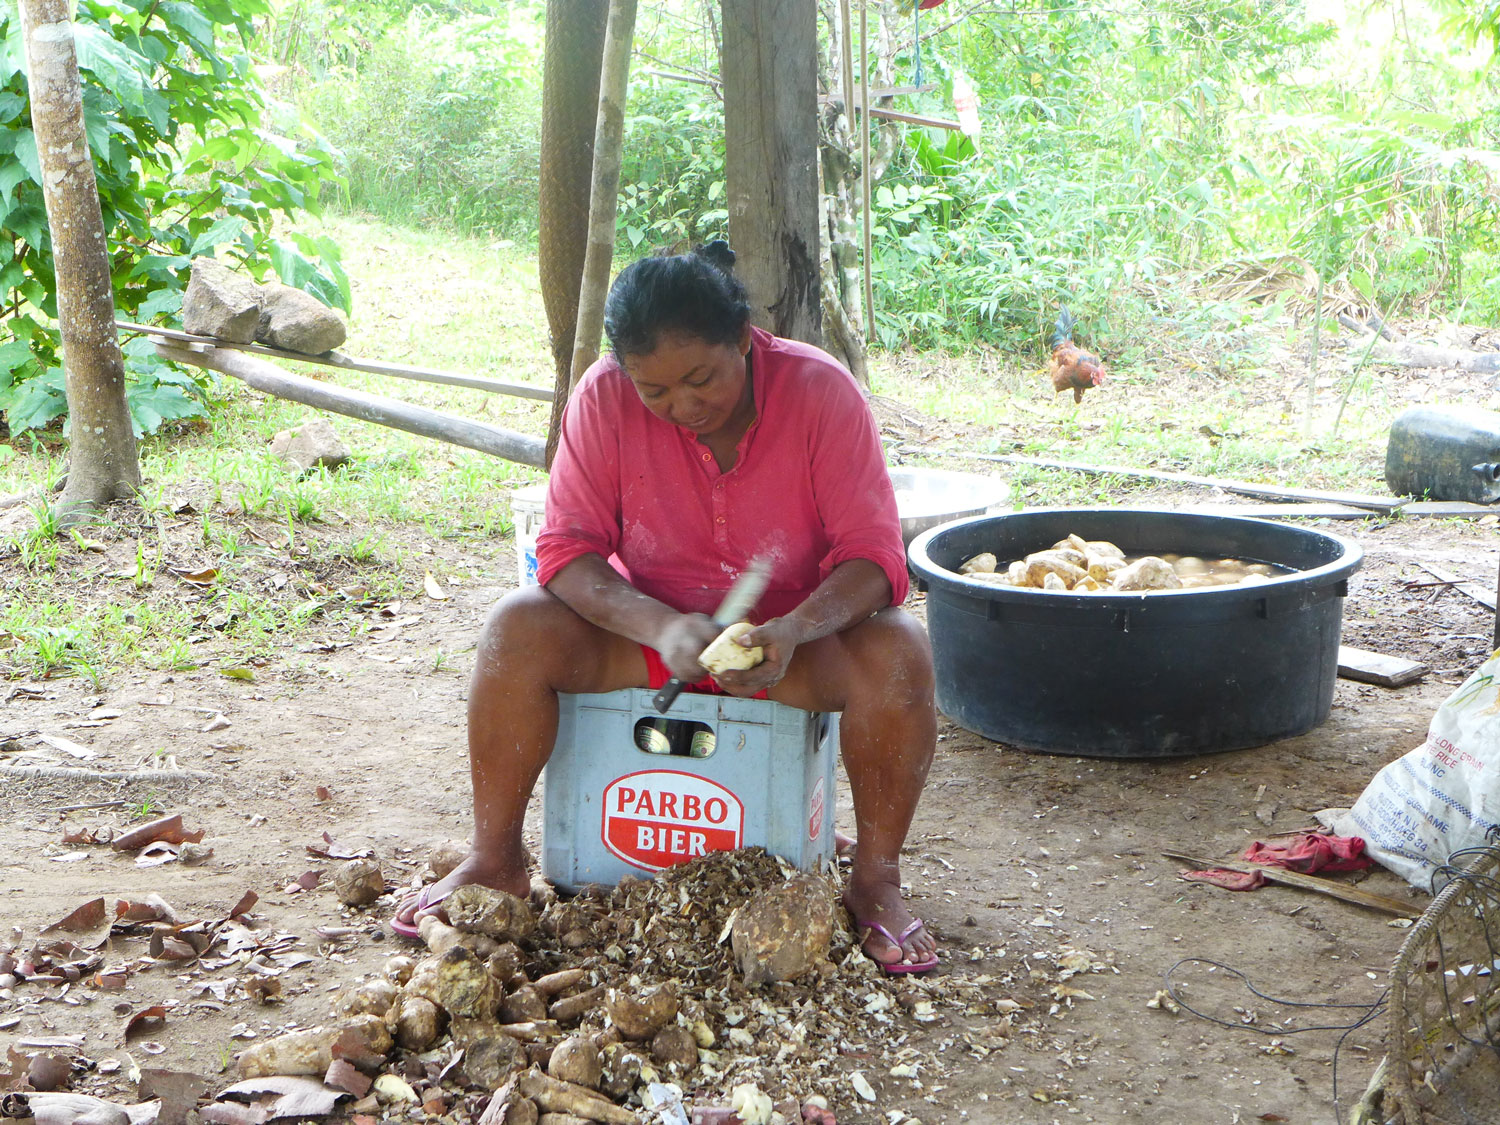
(1444, 1031)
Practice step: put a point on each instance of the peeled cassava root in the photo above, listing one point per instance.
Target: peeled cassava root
(1081, 566)
(725, 653)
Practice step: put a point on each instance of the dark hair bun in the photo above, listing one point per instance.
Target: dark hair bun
(717, 253)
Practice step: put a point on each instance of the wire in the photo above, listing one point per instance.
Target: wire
(1372, 1010)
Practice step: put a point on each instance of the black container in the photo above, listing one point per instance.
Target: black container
(1136, 675)
(1445, 453)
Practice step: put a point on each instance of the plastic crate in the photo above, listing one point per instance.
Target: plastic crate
(612, 808)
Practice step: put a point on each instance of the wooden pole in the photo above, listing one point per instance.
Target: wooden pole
(349, 363)
(864, 168)
(770, 71)
(604, 192)
(272, 380)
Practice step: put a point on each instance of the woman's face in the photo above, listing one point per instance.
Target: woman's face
(691, 383)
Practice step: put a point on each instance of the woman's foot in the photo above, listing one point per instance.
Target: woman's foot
(904, 941)
(428, 901)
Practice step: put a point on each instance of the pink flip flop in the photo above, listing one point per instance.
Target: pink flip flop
(425, 900)
(899, 968)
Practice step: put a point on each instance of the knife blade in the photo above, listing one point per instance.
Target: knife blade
(740, 600)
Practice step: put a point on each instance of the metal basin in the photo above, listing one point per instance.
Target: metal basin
(928, 498)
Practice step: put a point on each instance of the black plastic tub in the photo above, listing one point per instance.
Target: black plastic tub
(1136, 675)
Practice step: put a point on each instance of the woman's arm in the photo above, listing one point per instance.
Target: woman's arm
(594, 590)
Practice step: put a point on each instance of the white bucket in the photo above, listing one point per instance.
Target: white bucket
(528, 507)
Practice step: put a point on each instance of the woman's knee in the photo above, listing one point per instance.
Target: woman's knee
(525, 622)
(892, 648)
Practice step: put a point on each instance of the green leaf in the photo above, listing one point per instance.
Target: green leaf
(124, 72)
(230, 229)
(166, 302)
(152, 403)
(11, 105)
(36, 402)
(12, 172)
(25, 152)
(1362, 284)
(28, 221)
(239, 673)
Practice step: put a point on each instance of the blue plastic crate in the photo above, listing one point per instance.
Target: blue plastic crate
(611, 808)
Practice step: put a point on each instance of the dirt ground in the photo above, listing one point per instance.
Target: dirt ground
(1014, 858)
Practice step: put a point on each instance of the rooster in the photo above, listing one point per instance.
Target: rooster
(1072, 368)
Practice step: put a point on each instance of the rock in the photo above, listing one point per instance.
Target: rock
(398, 969)
(220, 303)
(310, 444)
(784, 933)
(373, 997)
(675, 1045)
(522, 1005)
(622, 1069)
(457, 982)
(474, 909)
(505, 965)
(576, 1060)
(359, 882)
(489, 1062)
(418, 1023)
(445, 857)
(642, 1016)
(298, 322)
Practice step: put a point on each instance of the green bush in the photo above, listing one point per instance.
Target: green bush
(440, 122)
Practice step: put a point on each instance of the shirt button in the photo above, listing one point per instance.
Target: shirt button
(719, 519)
(707, 456)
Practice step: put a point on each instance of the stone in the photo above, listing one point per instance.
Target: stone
(295, 321)
(359, 883)
(476, 909)
(310, 444)
(784, 933)
(220, 303)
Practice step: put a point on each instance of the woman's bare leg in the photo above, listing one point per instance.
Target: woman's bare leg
(879, 673)
(532, 647)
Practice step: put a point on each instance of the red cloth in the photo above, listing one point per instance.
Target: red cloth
(1312, 852)
(657, 674)
(810, 487)
(1307, 853)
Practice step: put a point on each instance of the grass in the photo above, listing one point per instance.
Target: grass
(293, 552)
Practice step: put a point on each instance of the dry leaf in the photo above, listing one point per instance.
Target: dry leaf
(167, 828)
(434, 591)
(205, 577)
(147, 1019)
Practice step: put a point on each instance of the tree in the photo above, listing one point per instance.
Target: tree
(187, 161)
(102, 463)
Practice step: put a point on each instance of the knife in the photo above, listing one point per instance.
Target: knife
(740, 600)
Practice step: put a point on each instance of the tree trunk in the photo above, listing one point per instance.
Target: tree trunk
(604, 192)
(770, 70)
(102, 462)
(570, 109)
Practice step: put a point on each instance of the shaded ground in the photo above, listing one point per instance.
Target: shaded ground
(1015, 858)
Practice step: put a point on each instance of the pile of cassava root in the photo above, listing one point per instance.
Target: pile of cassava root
(1084, 566)
(729, 982)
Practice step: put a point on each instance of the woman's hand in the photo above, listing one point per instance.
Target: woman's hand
(778, 639)
(682, 641)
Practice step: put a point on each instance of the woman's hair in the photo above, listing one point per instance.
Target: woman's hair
(694, 294)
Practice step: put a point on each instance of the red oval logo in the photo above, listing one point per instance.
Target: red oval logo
(657, 818)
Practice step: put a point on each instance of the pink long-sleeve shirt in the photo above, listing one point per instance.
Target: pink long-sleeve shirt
(809, 488)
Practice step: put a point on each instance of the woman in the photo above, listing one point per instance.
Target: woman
(702, 443)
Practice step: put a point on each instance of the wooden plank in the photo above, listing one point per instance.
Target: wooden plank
(770, 69)
(270, 379)
(1341, 891)
(1480, 594)
(1283, 511)
(349, 363)
(1450, 508)
(1377, 668)
(1239, 487)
